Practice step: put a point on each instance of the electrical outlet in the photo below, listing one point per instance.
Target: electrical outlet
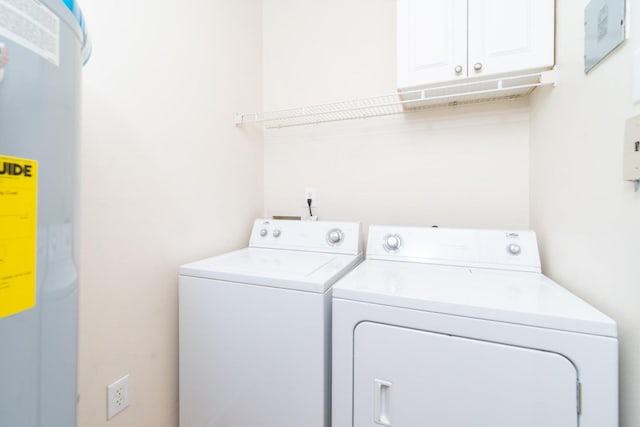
(117, 396)
(311, 193)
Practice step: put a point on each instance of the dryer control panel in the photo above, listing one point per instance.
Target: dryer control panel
(317, 236)
(499, 249)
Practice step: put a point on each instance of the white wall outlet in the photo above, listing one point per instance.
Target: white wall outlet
(632, 149)
(311, 193)
(117, 396)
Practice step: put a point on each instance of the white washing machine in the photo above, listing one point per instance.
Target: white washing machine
(459, 328)
(255, 327)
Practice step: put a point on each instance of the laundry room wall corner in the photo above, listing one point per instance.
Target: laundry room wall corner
(167, 178)
(585, 214)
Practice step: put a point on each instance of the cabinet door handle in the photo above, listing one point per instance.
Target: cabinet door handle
(381, 400)
(477, 66)
(458, 69)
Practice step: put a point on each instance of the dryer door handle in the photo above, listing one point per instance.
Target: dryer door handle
(381, 402)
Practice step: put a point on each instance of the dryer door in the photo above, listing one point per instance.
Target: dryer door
(407, 378)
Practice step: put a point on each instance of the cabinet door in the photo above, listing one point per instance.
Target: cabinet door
(408, 378)
(510, 35)
(432, 41)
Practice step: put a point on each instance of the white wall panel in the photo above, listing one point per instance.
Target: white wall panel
(586, 216)
(167, 179)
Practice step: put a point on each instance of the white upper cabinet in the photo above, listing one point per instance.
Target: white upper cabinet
(446, 40)
(510, 35)
(432, 41)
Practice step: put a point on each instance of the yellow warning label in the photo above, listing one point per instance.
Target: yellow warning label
(18, 226)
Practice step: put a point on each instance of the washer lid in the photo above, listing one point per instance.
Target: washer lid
(524, 298)
(289, 269)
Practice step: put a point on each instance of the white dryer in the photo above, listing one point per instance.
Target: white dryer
(459, 328)
(255, 327)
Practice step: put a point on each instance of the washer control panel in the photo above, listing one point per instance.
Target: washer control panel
(500, 249)
(321, 236)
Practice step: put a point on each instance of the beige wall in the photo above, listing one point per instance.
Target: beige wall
(455, 167)
(586, 216)
(163, 166)
(167, 178)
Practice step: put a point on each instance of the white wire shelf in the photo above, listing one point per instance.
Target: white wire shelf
(404, 101)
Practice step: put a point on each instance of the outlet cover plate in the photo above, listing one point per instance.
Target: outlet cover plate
(117, 396)
(311, 193)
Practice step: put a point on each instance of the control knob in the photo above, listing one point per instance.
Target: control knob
(335, 236)
(514, 249)
(276, 233)
(263, 232)
(392, 242)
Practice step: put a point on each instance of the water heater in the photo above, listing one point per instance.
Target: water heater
(43, 45)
